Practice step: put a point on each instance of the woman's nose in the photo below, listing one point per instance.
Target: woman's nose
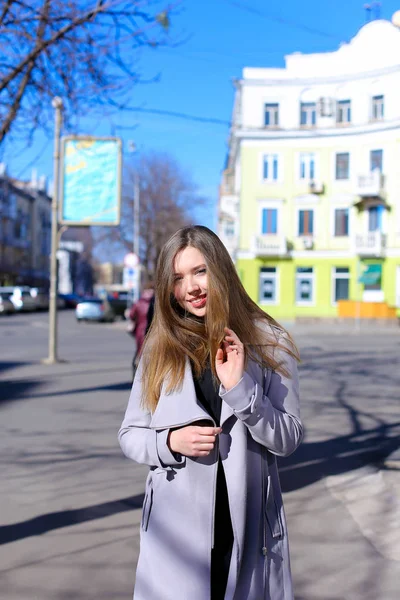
(192, 285)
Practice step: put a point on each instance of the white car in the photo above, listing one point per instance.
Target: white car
(6, 306)
(21, 297)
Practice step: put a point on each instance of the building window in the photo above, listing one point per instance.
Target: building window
(343, 114)
(375, 214)
(376, 160)
(341, 279)
(306, 222)
(378, 108)
(271, 115)
(268, 285)
(342, 165)
(269, 217)
(307, 165)
(341, 222)
(229, 229)
(308, 114)
(304, 285)
(372, 278)
(270, 167)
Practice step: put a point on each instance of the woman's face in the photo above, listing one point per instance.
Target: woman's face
(190, 281)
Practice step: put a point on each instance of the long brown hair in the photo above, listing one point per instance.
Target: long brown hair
(175, 334)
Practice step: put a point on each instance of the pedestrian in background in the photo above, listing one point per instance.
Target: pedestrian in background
(214, 401)
(138, 320)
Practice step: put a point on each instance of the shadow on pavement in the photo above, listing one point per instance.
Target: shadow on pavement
(65, 518)
(315, 460)
(5, 365)
(114, 387)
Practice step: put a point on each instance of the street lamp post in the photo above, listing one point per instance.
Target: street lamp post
(136, 208)
(52, 358)
(136, 203)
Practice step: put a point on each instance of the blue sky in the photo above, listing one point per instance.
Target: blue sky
(223, 36)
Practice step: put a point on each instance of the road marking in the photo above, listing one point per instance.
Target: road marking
(373, 504)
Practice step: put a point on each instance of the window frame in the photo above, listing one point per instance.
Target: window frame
(307, 157)
(273, 203)
(337, 154)
(378, 101)
(309, 109)
(380, 211)
(334, 277)
(371, 152)
(305, 235)
(272, 275)
(269, 208)
(271, 108)
(312, 278)
(335, 210)
(341, 107)
(278, 156)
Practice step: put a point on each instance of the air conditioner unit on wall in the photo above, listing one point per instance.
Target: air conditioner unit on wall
(308, 243)
(326, 107)
(316, 187)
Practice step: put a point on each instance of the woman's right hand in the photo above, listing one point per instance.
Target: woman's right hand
(193, 440)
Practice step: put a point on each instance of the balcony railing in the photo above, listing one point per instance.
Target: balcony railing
(269, 245)
(370, 244)
(370, 185)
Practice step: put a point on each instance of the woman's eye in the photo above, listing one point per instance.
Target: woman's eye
(201, 271)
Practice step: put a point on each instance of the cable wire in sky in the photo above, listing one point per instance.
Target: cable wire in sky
(282, 20)
(179, 115)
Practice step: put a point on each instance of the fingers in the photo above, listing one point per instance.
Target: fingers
(219, 357)
(207, 431)
(233, 342)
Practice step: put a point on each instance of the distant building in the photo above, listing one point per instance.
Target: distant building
(108, 274)
(25, 231)
(74, 255)
(310, 195)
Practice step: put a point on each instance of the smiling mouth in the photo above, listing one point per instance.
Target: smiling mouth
(199, 302)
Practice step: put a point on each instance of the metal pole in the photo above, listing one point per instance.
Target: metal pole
(52, 357)
(136, 208)
(358, 296)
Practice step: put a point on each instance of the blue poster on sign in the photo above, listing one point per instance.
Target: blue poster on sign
(90, 181)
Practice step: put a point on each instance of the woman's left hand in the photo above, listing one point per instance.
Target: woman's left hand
(229, 361)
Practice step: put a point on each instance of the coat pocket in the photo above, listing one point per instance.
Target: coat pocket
(147, 506)
(272, 512)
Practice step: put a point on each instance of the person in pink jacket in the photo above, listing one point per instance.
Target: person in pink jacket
(138, 316)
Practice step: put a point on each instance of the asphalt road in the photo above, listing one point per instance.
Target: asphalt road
(70, 503)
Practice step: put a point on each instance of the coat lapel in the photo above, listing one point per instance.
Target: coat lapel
(180, 407)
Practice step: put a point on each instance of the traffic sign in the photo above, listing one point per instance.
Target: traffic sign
(131, 260)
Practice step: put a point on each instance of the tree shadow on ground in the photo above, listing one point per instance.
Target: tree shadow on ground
(313, 461)
(49, 522)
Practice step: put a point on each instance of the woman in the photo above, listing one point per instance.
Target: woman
(138, 318)
(215, 399)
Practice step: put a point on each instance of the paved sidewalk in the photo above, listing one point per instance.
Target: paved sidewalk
(71, 506)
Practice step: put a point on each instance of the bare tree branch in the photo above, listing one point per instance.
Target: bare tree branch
(81, 50)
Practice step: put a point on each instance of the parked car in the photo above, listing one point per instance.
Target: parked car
(70, 300)
(41, 298)
(94, 309)
(6, 306)
(118, 302)
(21, 297)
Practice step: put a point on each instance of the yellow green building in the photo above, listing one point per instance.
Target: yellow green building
(310, 196)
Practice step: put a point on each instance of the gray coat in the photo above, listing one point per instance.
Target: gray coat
(260, 419)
